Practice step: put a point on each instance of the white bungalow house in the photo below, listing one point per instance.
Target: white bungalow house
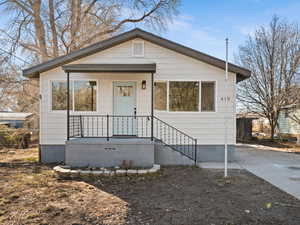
(136, 97)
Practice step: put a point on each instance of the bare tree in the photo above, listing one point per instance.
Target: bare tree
(16, 93)
(47, 29)
(44, 29)
(273, 56)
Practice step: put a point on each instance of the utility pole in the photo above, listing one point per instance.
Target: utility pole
(225, 117)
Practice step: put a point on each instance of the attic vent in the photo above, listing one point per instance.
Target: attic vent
(138, 48)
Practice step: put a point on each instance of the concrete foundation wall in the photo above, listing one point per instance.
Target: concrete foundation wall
(214, 153)
(100, 153)
(165, 156)
(141, 153)
(52, 153)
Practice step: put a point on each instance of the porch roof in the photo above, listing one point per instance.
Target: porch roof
(100, 68)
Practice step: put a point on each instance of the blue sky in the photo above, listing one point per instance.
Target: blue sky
(204, 24)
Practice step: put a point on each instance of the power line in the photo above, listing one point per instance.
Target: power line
(17, 57)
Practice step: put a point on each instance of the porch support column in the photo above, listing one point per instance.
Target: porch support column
(68, 106)
(152, 101)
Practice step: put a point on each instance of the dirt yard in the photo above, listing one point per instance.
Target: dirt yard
(31, 194)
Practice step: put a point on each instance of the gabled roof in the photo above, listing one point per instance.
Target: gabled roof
(33, 72)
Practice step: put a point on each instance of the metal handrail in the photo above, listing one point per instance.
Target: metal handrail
(172, 127)
(138, 126)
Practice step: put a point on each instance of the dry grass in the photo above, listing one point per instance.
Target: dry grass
(15, 155)
(30, 193)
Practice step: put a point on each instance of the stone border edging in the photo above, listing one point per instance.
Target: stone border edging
(106, 172)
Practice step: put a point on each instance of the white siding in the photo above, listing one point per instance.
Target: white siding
(207, 127)
(288, 125)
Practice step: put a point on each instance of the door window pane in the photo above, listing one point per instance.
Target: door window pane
(124, 91)
(59, 95)
(85, 95)
(208, 96)
(184, 96)
(160, 96)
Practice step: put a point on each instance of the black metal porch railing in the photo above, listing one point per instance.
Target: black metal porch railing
(107, 126)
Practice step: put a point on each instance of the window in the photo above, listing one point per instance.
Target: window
(85, 95)
(84, 92)
(184, 96)
(59, 95)
(160, 96)
(138, 48)
(124, 91)
(207, 96)
(286, 113)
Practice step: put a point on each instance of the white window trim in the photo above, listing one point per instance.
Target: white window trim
(199, 103)
(132, 48)
(73, 97)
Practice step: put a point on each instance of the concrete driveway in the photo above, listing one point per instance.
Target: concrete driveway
(278, 168)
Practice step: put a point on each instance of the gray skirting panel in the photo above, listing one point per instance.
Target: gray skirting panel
(52, 153)
(214, 153)
(205, 153)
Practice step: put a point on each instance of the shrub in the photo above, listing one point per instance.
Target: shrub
(14, 138)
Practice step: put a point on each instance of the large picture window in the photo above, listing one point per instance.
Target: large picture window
(207, 96)
(184, 96)
(160, 95)
(84, 92)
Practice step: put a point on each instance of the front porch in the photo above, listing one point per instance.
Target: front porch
(121, 125)
(109, 141)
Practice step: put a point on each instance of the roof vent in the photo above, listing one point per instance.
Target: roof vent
(138, 48)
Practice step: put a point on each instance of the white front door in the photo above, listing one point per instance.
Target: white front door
(124, 103)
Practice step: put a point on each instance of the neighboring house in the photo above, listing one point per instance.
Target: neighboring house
(289, 122)
(136, 97)
(244, 125)
(15, 119)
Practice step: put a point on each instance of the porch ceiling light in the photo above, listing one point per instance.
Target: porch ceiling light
(143, 84)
